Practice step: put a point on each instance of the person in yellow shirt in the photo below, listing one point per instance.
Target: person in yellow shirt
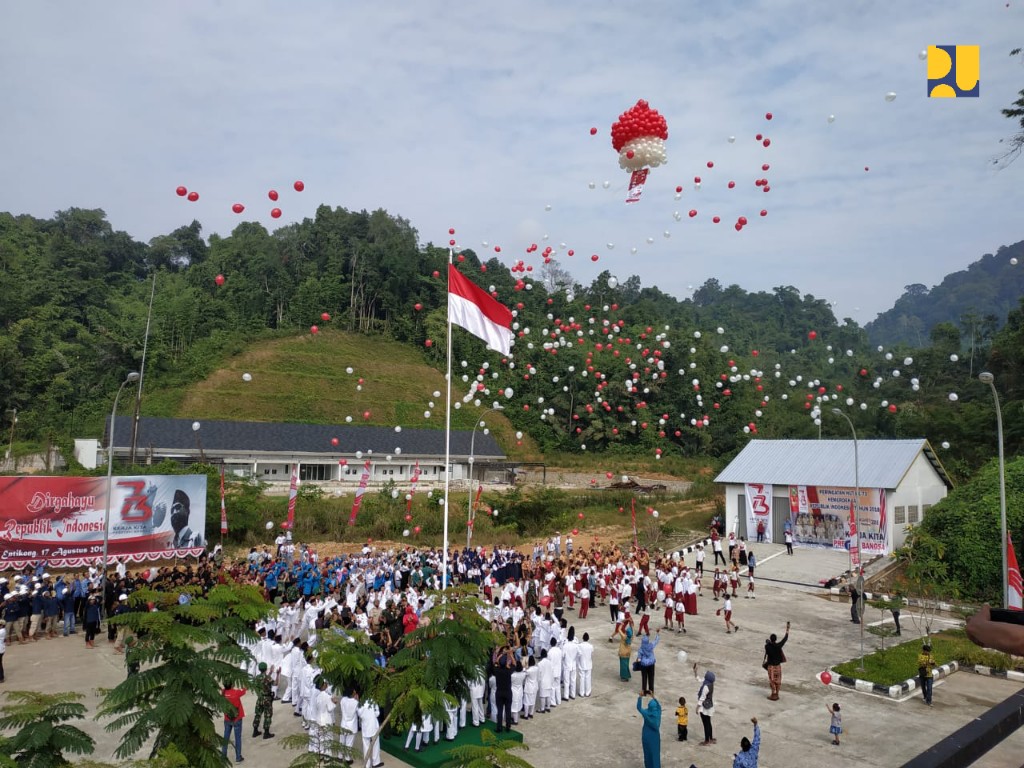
(682, 719)
(925, 668)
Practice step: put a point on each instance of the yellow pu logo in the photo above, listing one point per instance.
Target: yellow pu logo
(954, 71)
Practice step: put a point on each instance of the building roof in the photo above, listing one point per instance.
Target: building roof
(882, 463)
(250, 437)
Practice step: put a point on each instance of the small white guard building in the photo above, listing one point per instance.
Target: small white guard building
(810, 486)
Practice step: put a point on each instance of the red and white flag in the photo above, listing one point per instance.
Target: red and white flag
(472, 308)
(363, 482)
(636, 185)
(293, 494)
(223, 509)
(854, 540)
(1014, 588)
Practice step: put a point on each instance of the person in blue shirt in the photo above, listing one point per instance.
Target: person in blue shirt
(645, 658)
(51, 610)
(67, 601)
(650, 736)
(747, 756)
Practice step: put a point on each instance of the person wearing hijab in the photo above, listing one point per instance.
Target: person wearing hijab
(706, 706)
(625, 634)
(650, 736)
(646, 659)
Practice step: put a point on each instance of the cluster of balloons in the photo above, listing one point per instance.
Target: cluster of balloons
(239, 208)
(639, 137)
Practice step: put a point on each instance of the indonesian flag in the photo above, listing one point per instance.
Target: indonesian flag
(472, 308)
(223, 509)
(1014, 591)
(854, 539)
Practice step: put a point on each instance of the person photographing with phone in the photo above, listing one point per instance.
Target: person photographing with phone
(999, 629)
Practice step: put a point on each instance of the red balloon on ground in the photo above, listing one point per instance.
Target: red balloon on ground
(275, 213)
(366, 415)
(193, 196)
(219, 279)
(237, 207)
(272, 194)
(826, 677)
(181, 191)
(299, 186)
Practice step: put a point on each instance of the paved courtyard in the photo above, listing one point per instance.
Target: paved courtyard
(605, 729)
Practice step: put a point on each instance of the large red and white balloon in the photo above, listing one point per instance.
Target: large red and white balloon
(639, 137)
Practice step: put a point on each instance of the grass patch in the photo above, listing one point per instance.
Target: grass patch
(895, 664)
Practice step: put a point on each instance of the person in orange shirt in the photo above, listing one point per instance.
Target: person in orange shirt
(233, 717)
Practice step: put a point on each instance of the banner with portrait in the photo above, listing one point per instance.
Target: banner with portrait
(60, 520)
(820, 517)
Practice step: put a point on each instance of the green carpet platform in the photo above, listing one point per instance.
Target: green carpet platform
(435, 755)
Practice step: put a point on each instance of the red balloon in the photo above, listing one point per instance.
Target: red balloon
(366, 415)
(767, 142)
(497, 249)
(679, 189)
(765, 167)
(710, 165)
(716, 219)
(575, 531)
(219, 279)
(408, 518)
(595, 257)
(314, 330)
(768, 116)
(693, 212)
(428, 343)
(732, 184)
(764, 212)
(593, 131)
(630, 154)
(272, 194)
(812, 335)
(275, 213)
(435, 273)
(299, 186)
(325, 317)
(580, 515)
(237, 207)
(416, 529)
(892, 409)
(866, 168)
(758, 137)
(334, 441)
(826, 677)
(743, 222)
(193, 196)
(417, 306)
(181, 191)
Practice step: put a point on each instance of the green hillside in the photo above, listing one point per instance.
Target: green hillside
(305, 378)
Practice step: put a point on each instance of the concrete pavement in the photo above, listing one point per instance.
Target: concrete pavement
(605, 729)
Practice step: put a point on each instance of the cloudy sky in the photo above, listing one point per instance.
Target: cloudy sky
(477, 116)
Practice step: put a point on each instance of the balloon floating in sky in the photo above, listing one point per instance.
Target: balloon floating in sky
(275, 213)
(193, 196)
(299, 186)
(272, 194)
(831, 118)
(237, 207)
(639, 137)
(181, 191)
(890, 96)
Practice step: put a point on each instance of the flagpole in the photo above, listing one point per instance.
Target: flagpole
(447, 432)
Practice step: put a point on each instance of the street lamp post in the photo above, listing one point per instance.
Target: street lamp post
(469, 499)
(856, 519)
(987, 378)
(129, 379)
(10, 447)
(199, 443)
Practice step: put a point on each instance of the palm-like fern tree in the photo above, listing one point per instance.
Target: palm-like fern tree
(43, 734)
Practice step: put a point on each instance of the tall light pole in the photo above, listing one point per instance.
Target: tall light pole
(987, 378)
(10, 447)
(199, 443)
(856, 519)
(142, 372)
(131, 378)
(469, 500)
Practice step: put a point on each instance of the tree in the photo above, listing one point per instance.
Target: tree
(189, 651)
(493, 753)
(43, 734)
(1016, 112)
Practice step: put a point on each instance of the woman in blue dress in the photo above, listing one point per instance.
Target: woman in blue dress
(650, 737)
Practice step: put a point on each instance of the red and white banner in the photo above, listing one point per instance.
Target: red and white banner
(759, 509)
(60, 520)
(637, 180)
(473, 308)
(364, 480)
(223, 509)
(293, 494)
(854, 541)
(1014, 587)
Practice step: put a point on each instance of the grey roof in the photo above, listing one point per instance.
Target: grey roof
(882, 463)
(168, 435)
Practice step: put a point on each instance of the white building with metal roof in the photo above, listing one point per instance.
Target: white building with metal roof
(810, 487)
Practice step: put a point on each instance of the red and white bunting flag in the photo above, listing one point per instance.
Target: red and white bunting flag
(223, 509)
(472, 308)
(1014, 587)
(363, 481)
(412, 490)
(293, 493)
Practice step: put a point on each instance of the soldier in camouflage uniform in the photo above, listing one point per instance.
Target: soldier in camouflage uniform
(264, 703)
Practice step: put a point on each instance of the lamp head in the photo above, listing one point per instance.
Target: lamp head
(837, 411)
(132, 377)
(985, 377)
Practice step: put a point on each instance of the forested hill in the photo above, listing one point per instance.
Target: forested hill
(976, 300)
(610, 366)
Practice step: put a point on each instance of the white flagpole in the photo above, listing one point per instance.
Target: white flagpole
(447, 435)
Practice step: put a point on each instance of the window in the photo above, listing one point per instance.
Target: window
(912, 514)
(901, 516)
(315, 472)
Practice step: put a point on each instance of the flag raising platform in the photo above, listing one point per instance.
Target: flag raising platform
(435, 755)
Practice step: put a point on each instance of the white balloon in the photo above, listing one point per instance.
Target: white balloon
(591, 184)
(246, 377)
(945, 445)
(270, 525)
(923, 55)
(732, 139)
(681, 657)
(831, 118)
(606, 184)
(1013, 261)
(426, 414)
(612, 282)
(953, 397)
(348, 371)
(890, 96)
(954, 358)
(655, 512)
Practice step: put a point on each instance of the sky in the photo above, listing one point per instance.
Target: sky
(478, 116)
